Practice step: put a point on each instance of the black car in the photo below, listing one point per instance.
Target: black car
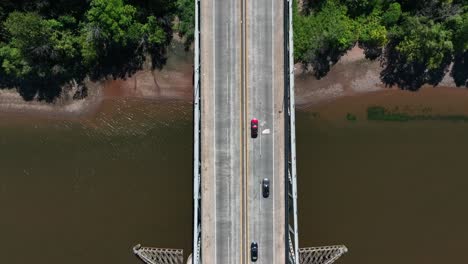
(266, 187)
(254, 251)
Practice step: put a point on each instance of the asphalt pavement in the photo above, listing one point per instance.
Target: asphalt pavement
(222, 172)
(265, 84)
(242, 77)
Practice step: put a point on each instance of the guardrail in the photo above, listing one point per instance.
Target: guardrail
(196, 254)
(292, 248)
(292, 106)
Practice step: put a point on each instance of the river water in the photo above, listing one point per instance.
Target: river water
(86, 189)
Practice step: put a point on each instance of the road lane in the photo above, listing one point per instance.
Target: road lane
(221, 131)
(265, 52)
(233, 91)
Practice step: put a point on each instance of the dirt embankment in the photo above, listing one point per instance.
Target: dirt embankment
(353, 75)
(173, 82)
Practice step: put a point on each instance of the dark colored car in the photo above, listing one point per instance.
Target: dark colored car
(254, 127)
(254, 251)
(266, 187)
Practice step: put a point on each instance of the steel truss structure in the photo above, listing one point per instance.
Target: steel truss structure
(196, 255)
(292, 248)
(321, 255)
(159, 255)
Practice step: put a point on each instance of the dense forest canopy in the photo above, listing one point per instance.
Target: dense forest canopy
(46, 44)
(416, 40)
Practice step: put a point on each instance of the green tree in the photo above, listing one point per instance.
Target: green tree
(360, 7)
(459, 72)
(186, 15)
(425, 42)
(47, 8)
(111, 39)
(12, 63)
(419, 52)
(41, 55)
(436, 10)
(155, 40)
(115, 43)
(161, 9)
(45, 44)
(392, 15)
(372, 34)
(321, 38)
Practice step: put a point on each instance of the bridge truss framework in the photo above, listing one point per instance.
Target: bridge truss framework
(292, 248)
(196, 255)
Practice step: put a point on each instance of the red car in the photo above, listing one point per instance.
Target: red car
(254, 128)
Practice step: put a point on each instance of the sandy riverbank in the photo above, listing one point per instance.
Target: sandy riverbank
(352, 76)
(173, 82)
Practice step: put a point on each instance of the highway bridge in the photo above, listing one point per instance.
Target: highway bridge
(244, 70)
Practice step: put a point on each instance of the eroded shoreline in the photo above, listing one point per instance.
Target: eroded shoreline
(354, 78)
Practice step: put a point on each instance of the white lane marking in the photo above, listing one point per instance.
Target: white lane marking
(266, 132)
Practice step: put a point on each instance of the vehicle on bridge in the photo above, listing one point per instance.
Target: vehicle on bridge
(254, 127)
(254, 251)
(266, 188)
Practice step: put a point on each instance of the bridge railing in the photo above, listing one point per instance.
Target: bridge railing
(313, 255)
(196, 254)
(292, 247)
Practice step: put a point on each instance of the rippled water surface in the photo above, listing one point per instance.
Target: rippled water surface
(85, 190)
(393, 192)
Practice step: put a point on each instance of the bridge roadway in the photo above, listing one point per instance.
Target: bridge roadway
(242, 77)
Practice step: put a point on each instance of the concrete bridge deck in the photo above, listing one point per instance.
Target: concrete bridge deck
(242, 77)
(243, 69)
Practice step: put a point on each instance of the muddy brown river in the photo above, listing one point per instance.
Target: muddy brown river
(86, 189)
